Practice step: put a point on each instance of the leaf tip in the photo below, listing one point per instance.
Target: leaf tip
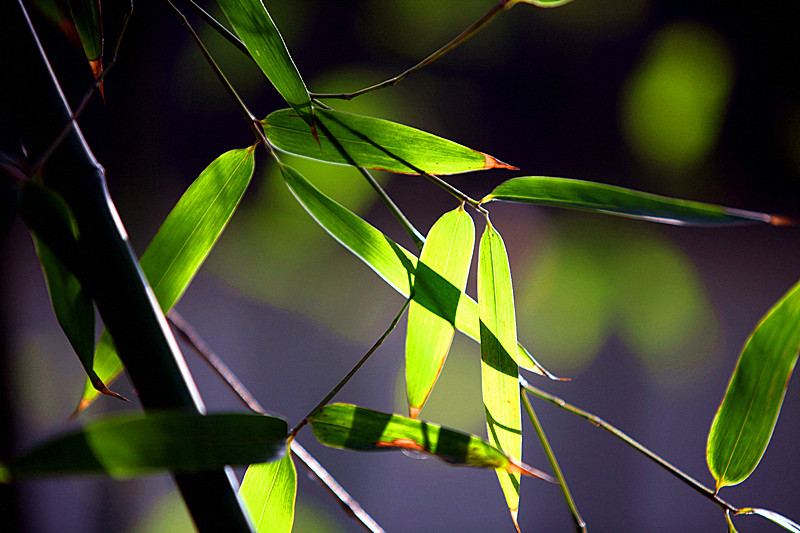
(518, 467)
(413, 412)
(514, 518)
(82, 405)
(493, 162)
(97, 70)
(780, 220)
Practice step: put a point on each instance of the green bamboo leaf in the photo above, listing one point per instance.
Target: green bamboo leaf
(541, 3)
(447, 254)
(182, 244)
(729, 522)
(590, 196)
(89, 23)
(133, 445)
(746, 418)
(253, 24)
(389, 260)
(499, 368)
(370, 142)
(772, 516)
(269, 490)
(342, 425)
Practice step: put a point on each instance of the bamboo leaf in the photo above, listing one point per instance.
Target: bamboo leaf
(253, 24)
(369, 142)
(269, 490)
(542, 3)
(746, 418)
(499, 368)
(447, 254)
(89, 23)
(590, 196)
(772, 516)
(348, 426)
(389, 260)
(182, 243)
(133, 445)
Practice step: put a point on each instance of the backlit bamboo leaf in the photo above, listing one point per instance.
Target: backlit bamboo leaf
(389, 260)
(132, 445)
(729, 522)
(746, 418)
(269, 490)
(590, 196)
(779, 519)
(499, 368)
(370, 142)
(89, 23)
(542, 3)
(253, 24)
(447, 254)
(348, 426)
(182, 243)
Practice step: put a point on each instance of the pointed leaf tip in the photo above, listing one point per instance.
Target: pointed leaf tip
(493, 162)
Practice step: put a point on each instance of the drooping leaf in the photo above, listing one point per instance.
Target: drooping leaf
(746, 418)
(447, 254)
(132, 445)
(729, 523)
(253, 24)
(499, 368)
(182, 243)
(89, 23)
(71, 304)
(542, 3)
(370, 142)
(779, 519)
(269, 490)
(348, 426)
(389, 260)
(590, 196)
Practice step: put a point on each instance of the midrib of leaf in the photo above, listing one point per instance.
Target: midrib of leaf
(175, 256)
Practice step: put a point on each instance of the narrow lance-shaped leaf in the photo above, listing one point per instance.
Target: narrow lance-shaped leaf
(348, 426)
(89, 23)
(499, 368)
(269, 490)
(132, 445)
(253, 24)
(772, 516)
(746, 418)
(183, 242)
(590, 196)
(369, 142)
(542, 3)
(447, 254)
(389, 260)
(71, 304)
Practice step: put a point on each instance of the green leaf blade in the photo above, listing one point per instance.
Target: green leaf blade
(393, 263)
(499, 367)
(448, 254)
(253, 24)
(88, 22)
(351, 427)
(183, 242)
(132, 445)
(369, 142)
(743, 425)
(609, 199)
(269, 490)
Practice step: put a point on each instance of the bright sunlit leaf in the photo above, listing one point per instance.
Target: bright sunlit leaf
(133, 445)
(182, 244)
(746, 418)
(590, 196)
(772, 516)
(348, 426)
(370, 142)
(269, 490)
(499, 368)
(447, 254)
(389, 260)
(254, 26)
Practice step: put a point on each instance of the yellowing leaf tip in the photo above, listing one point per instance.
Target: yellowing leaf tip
(493, 162)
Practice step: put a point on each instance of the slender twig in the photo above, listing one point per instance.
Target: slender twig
(599, 422)
(208, 355)
(415, 235)
(352, 372)
(218, 27)
(580, 525)
(462, 197)
(74, 115)
(460, 38)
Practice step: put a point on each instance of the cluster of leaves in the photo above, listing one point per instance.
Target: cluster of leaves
(433, 282)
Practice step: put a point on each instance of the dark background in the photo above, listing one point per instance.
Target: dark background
(697, 101)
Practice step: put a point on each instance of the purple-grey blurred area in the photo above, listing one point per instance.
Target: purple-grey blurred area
(699, 100)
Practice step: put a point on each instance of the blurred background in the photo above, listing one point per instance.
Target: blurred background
(688, 99)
